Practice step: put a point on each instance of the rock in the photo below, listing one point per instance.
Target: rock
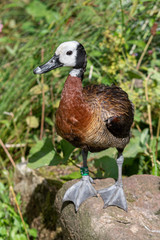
(38, 195)
(142, 221)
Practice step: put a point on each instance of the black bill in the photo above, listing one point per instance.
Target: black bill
(51, 64)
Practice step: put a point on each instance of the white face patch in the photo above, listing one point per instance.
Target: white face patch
(67, 53)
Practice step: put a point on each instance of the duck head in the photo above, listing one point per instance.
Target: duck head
(69, 54)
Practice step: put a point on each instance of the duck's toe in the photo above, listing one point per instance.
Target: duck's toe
(80, 191)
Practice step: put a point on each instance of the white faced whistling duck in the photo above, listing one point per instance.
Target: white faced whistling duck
(92, 118)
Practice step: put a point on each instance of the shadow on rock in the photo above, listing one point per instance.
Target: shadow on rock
(38, 196)
(41, 203)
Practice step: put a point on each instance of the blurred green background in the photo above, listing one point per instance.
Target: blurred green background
(121, 39)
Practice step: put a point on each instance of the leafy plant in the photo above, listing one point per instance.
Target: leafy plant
(44, 154)
(11, 226)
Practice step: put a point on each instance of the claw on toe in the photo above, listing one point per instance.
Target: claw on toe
(114, 196)
(80, 191)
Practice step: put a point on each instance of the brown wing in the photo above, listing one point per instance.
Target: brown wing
(116, 109)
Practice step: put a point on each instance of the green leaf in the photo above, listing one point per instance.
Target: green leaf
(110, 152)
(52, 16)
(2, 188)
(73, 175)
(96, 53)
(12, 51)
(3, 231)
(108, 165)
(138, 43)
(133, 148)
(134, 74)
(42, 154)
(13, 232)
(155, 170)
(144, 136)
(5, 40)
(36, 90)
(67, 149)
(32, 122)
(49, 121)
(138, 116)
(28, 26)
(155, 74)
(36, 9)
(11, 210)
(32, 232)
(20, 237)
(5, 122)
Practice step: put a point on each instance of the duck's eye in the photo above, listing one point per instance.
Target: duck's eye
(69, 53)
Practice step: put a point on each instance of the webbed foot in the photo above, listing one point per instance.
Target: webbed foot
(114, 196)
(80, 191)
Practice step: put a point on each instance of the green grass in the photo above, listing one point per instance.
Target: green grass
(11, 225)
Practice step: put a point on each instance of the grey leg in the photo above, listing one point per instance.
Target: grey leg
(120, 161)
(83, 189)
(114, 195)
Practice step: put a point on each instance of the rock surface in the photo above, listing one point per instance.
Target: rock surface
(141, 222)
(38, 195)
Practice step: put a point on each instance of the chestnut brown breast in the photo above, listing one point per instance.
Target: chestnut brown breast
(74, 114)
(95, 117)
